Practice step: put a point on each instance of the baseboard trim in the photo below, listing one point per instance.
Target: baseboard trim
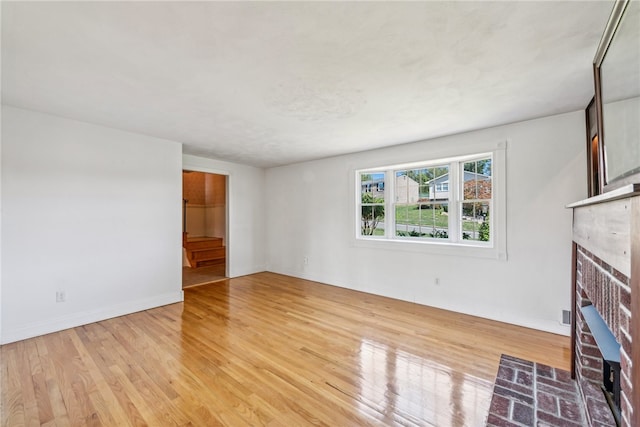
(233, 273)
(554, 327)
(73, 320)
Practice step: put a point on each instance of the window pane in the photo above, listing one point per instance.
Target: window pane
(404, 217)
(407, 187)
(475, 221)
(414, 221)
(372, 220)
(400, 191)
(421, 220)
(477, 179)
(372, 187)
(471, 166)
(402, 214)
(426, 220)
(439, 171)
(423, 193)
(437, 221)
(438, 182)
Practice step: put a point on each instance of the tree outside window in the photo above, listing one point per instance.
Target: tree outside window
(372, 204)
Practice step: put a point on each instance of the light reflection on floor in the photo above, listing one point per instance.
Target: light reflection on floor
(419, 389)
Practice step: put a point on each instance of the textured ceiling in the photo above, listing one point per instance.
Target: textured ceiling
(272, 83)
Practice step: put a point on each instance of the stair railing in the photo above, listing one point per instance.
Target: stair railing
(184, 221)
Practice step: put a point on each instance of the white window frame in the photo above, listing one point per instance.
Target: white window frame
(455, 245)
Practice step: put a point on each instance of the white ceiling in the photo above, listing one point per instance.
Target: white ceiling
(272, 83)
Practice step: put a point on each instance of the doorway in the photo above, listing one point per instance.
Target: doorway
(204, 225)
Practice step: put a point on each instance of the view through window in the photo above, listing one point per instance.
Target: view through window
(447, 201)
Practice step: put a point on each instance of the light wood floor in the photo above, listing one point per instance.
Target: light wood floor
(268, 350)
(201, 275)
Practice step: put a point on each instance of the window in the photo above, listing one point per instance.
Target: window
(372, 204)
(421, 205)
(442, 187)
(449, 202)
(476, 198)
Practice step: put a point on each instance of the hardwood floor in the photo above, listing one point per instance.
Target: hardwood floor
(268, 350)
(201, 275)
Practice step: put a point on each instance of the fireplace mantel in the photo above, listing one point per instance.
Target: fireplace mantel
(621, 193)
(606, 271)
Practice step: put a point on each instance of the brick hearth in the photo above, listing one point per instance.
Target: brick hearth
(529, 394)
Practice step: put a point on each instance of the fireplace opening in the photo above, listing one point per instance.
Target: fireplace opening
(611, 387)
(609, 348)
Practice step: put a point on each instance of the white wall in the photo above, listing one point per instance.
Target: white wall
(93, 211)
(96, 212)
(310, 213)
(1, 341)
(246, 213)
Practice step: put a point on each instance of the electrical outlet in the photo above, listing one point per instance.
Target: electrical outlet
(61, 296)
(436, 281)
(306, 260)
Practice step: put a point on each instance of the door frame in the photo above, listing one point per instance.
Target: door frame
(227, 210)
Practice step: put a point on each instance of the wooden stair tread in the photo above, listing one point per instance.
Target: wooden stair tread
(214, 248)
(200, 256)
(205, 250)
(202, 239)
(203, 243)
(209, 262)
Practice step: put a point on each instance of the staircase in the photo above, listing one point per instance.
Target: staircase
(203, 251)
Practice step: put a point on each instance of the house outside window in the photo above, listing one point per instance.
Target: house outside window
(442, 187)
(445, 202)
(421, 211)
(477, 196)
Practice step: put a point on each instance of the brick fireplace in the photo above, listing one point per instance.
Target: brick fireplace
(608, 290)
(605, 330)
(606, 236)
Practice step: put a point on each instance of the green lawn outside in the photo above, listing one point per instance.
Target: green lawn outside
(411, 215)
(430, 218)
